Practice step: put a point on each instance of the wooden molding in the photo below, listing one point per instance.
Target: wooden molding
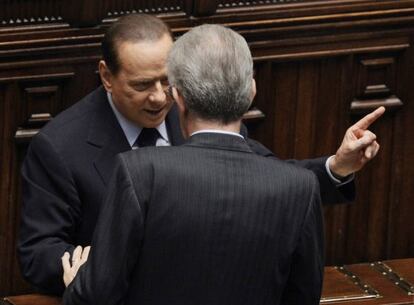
(330, 52)
(366, 106)
(38, 77)
(253, 115)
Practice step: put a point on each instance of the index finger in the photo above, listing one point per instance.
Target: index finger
(369, 118)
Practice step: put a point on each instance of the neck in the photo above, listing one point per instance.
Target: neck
(197, 124)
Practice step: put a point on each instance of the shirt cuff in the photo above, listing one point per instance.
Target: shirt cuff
(336, 181)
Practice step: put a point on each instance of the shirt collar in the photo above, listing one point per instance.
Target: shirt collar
(218, 131)
(131, 130)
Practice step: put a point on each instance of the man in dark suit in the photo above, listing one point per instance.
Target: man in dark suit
(209, 222)
(69, 162)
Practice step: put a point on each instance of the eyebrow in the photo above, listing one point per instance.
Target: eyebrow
(141, 81)
(147, 80)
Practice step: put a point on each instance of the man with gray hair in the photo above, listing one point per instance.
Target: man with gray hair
(209, 222)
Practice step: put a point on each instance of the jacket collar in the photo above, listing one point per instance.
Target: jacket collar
(219, 141)
(106, 134)
(104, 130)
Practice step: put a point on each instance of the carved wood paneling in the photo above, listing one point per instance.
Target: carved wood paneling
(40, 102)
(23, 12)
(376, 83)
(4, 184)
(30, 94)
(10, 191)
(318, 66)
(401, 226)
(242, 3)
(116, 8)
(78, 12)
(309, 102)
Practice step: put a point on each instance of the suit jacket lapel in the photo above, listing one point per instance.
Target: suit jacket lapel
(106, 134)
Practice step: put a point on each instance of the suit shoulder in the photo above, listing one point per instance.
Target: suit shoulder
(147, 155)
(150, 159)
(76, 116)
(290, 175)
(283, 165)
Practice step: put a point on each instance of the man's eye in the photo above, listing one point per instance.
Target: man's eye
(142, 86)
(165, 82)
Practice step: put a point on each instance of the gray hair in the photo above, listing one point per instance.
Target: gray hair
(212, 67)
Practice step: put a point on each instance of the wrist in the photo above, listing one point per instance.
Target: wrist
(338, 171)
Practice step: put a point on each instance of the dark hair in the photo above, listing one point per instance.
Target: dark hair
(132, 28)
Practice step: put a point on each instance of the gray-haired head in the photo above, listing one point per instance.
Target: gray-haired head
(212, 68)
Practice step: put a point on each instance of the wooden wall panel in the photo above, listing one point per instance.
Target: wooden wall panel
(79, 12)
(311, 102)
(31, 93)
(319, 66)
(401, 224)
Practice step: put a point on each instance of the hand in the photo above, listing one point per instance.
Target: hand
(79, 257)
(358, 146)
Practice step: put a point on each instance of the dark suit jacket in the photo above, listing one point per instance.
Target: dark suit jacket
(65, 174)
(209, 222)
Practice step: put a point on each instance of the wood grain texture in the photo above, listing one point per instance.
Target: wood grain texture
(314, 62)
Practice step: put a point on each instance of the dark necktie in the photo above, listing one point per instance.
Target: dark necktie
(147, 137)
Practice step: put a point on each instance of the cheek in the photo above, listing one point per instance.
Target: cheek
(129, 98)
(131, 95)
(137, 99)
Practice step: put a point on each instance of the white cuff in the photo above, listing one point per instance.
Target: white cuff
(338, 182)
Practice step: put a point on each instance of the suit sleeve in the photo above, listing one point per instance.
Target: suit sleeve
(50, 212)
(304, 284)
(104, 279)
(329, 191)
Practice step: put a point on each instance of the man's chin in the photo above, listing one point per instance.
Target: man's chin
(153, 123)
(152, 120)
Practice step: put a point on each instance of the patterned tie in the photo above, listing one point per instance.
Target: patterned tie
(147, 137)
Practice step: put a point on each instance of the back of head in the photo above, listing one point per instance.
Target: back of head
(131, 28)
(212, 68)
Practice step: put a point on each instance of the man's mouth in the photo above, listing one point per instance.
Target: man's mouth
(154, 112)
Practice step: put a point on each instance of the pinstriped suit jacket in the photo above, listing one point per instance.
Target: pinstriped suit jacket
(209, 222)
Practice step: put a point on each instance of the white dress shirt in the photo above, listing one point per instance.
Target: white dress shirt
(132, 131)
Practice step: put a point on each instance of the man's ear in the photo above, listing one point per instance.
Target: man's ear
(182, 112)
(253, 92)
(106, 75)
(178, 98)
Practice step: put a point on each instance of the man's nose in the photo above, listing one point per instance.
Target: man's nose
(158, 93)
